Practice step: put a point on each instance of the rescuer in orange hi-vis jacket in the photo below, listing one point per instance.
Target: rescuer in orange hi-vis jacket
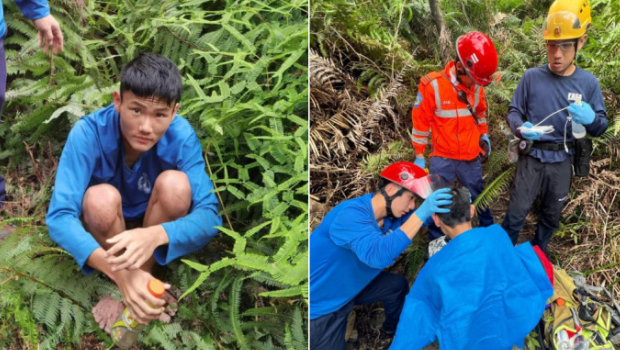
(451, 108)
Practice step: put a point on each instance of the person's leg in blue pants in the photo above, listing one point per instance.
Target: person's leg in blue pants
(2, 91)
(328, 332)
(446, 169)
(469, 174)
(390, 289)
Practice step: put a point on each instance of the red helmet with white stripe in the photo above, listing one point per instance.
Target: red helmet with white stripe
(409, 176)
(478, 56)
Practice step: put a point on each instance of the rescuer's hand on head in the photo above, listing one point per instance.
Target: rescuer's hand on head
(433, 204)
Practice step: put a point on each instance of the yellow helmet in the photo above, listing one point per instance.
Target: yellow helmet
(567, 19)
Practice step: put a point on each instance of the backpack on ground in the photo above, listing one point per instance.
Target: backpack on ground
(577, 317)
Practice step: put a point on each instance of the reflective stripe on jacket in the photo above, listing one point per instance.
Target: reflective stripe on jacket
(455, 134)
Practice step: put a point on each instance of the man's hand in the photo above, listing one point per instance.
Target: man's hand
(135, 247)
(133, 288)
(420, 161)
(49, 33)
(485, 138)
(529, 135)
(582, 113)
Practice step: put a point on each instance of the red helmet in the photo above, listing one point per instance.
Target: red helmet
(409, 176)
(478, 55)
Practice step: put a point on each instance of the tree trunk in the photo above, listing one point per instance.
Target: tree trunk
(445, 44)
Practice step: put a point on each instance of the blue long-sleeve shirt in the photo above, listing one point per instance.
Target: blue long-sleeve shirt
(348, 250)
(32, 9)
(478, 292)
(94, 155)
(541, 92)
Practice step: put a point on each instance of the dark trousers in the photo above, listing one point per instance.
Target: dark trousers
(327, 332)
(553, 182)
(469, 174)
(2, 90)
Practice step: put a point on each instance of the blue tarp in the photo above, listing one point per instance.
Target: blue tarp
(478, 292)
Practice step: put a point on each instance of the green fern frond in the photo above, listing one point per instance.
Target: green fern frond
(283, 293)
(493, 189)
(233, 309)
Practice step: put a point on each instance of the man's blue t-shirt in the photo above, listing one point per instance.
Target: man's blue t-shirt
(32, 9)
(348, 250)
(541, 92)
(478, 292)
(94, 155)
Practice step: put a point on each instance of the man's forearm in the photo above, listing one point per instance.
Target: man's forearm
(97, 261)
(412, 226)
(159, 234)
(515, 120)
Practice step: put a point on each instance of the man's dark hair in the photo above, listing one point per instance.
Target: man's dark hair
(459, 209)
(382, 183)
(150, 75)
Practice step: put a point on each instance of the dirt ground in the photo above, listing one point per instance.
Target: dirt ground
(363, 330)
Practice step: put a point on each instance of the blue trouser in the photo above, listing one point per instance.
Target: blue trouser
(469, 174)
(2, 90)
(2, 191)
(327, 332)
(553, 182)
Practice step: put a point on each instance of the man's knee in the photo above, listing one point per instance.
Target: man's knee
(173, 191)
(100, 207)
(399, 286)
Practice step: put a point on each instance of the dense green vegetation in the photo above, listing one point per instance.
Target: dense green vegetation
(367, 58)
(244, 65)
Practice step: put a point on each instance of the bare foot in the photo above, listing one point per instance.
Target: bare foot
(106, 312)
(171, 307)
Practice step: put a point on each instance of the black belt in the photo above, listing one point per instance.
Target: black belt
(551, 146)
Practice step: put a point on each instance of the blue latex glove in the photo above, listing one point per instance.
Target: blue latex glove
(421, 162)
(486, 138)
(433, 203)
(583, 114)
(530, 135)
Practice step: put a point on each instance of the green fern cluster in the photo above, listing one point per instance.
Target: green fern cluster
(280, 277)
(41, 89)
(44, 294)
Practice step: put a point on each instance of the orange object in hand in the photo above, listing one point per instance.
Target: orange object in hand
(125, 330)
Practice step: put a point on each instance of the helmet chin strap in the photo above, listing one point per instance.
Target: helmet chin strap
(460, 73)
(576, 50)
(388, 199)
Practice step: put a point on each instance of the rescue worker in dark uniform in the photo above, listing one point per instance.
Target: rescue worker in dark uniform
(451, 105)
(540, 100)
